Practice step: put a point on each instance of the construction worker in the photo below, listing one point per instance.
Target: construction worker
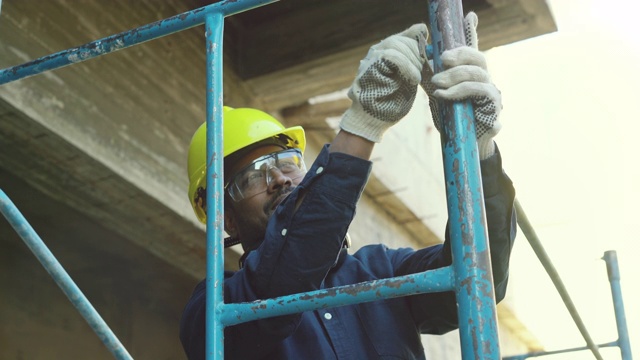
(292, 222)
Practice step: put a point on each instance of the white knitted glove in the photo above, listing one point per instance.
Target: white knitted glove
(386, 84)
(466, 77)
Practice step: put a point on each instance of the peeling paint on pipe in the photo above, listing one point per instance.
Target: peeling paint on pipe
(214, 27)
(126, 39)
(467, 221)
(438, 280)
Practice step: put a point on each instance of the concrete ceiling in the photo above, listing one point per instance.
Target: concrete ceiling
(317, 44)
(287, 33)
(109, 136)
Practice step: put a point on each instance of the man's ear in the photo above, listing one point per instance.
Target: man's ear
(230, 224)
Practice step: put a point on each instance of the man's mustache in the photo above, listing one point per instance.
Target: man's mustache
(277, 198)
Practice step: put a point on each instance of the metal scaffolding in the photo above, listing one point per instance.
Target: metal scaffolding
(470, 275)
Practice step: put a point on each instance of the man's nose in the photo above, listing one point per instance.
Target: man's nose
(277, 180)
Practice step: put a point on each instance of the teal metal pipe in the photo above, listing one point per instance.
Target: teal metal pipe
(61, 277)
(477, 315)
(611, 258)
(214, 28)
(126, 39)
(437, 280)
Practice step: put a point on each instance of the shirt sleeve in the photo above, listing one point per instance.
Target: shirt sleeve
(302, 244)
(499, 198)
(436, 313)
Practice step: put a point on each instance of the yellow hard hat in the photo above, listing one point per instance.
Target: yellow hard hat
(243, 127)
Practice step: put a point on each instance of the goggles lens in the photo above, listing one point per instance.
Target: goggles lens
(255, 178)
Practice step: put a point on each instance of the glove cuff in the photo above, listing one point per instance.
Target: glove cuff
(486, 147)
(358, 122)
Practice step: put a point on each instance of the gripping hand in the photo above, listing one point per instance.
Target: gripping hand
(466, 78)
(386, 84)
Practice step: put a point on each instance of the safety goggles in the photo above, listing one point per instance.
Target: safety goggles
(256, 177)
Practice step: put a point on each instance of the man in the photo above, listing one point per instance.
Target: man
(292, 222)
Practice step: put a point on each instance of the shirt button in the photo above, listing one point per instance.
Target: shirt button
(284, 232)
(319, 170)
(327, 316)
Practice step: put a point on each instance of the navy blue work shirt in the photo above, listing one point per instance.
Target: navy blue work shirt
(302, 251)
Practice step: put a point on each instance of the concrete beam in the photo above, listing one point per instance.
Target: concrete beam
(108, 136)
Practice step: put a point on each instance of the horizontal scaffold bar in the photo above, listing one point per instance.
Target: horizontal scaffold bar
(437, 280)
(126, 39)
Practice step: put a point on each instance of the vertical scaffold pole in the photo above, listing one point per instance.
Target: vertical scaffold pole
(467, 221)
(214, 26)
(611, 258)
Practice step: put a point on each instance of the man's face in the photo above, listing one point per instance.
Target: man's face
(247, 219)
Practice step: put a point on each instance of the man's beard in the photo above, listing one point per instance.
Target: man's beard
(255, 231)
(277, 198)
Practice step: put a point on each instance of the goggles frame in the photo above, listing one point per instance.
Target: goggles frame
(256, 177)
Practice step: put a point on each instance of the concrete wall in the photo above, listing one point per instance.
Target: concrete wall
(137, 294)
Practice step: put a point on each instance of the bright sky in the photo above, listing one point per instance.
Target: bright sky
(570, 125)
